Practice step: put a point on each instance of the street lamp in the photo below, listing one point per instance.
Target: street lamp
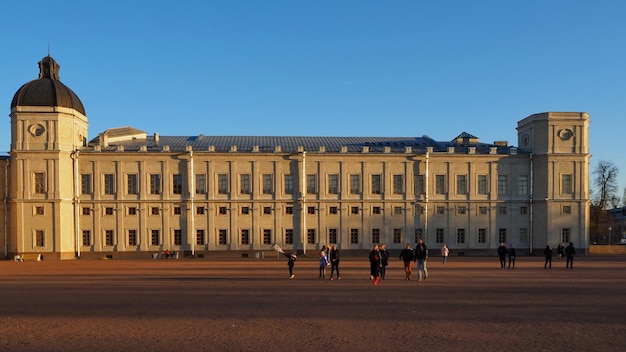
(610, 228)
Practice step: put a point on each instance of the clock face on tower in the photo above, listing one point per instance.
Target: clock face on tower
(565, 134)
(36, 129)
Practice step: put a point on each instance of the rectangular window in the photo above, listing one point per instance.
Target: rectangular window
(39, 211)
(333, 184)
(178, 237)
(289, 236)
(419, 184)
(200, 184)
(200, 210)
(267, 236)
(503, 185)
(502, 210)
(375, 236)
(245, 210)
(200, 237)
(86, 238)
(109, 184)
(222, 210)
(177, 210)
(397, 210)
(222, 237)
(355, 184)
(418, 210)
(289, 210)
(267, 184)
(177, 184)
(376, 210)
(132, 184)
(566, 184)
(154, 237)
(245, 236)
(376, 184)
(482, 210)
(460, 236)
(461, 209)
(311, 184)
(440, 210)
(222, 184)
(418, 234)
(440, 184)
(155, 184)
(354, 236)
(333, 210)
(132, 211)
(522, 185)
(310, 236)
(310, 210)
(565, 235)
(289, 184)
(40, 238)
(523, 210)
(397, 235)
(523, 235)
(354, 210)
(132, 237)
(154, 211)
(502, 236)
(267, 210)
(439, 235)
(332, 236)
(567, 209)
(40, 182)
(108, 211)
(482, 235)
(461, 184)
(398, 184)
(85, 184)
(244, 184)
(482, 184)
(108, 238)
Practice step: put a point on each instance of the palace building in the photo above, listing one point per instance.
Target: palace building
(127, 193)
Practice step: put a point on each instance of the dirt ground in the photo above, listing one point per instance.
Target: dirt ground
(469, 304)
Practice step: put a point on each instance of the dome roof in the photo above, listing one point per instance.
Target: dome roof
(47, 90)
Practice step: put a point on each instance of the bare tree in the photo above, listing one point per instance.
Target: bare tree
(606, 182)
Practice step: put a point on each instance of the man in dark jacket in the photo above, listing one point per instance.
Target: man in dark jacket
(502, 254)
(421, 254)
(407, 257)
(570, 252)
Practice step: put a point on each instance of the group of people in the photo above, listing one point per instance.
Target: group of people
(379, 259)
(503, 252)
(569, 252)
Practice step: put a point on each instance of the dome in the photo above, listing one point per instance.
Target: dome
(47, 90)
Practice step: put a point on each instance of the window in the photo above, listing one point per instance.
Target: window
(440, 210)
(85, 184)
(355, 184)
(289, 210)
(565, 235)
(462, 210)
(200, 210)
(222, 184)
(502, 210)
(267, 184)
(523, 235)
(200, 238)
(176, 210)
(40, 182)
(418, 210)
(502, 236)
(440, 184)
(503, 185)
(200, 184)
(332, 236)
(132, 211)
(376, 184)
(108, 211)
(109, 184)
(222, 210)
(418, 234)
(460, 236)
(310, 236)
(267, 236)
(482, 235)
(155, 184)
(154, 237)
(397, 210)
(310, 210)
(522, 185)
(40, 238)
(354, 210)
(289, 184)
(132, 184)
(397, 235)
(333, 184)
(311, 184)
(39, 211)
(354, 236)
(267, 210)
(482, 184)
(376, 210)
(398, 184)
(289, 236)
(419, 184)
(245, 210)
(461, 184)
(86, 238)
(567, 209)
(245, 236)
(333, 210)
(244, 184)
(222, 238)
(177, 184)
(375, 236)
(439, 235)
(566, 184)
(154, 211)
(108, 237)
(482, 210)
(178, 237)
(132, 237)
(523, 210)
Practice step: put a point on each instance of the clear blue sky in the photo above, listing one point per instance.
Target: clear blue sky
(327, 67)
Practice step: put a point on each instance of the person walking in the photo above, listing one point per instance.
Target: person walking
(548, 254)
(511, 253)
(375, 264)
(384, 258)
(334, 261)
(560, 250)
(421, 255)
(407, 257)
(570, 252)
(502, 254)
(445, 251)
(323, 262)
